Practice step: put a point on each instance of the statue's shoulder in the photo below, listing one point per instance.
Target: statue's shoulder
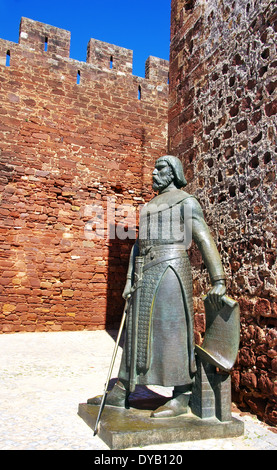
(170, 198)
(177, 196)
(186, 197)
(192, 202)
(185, 194)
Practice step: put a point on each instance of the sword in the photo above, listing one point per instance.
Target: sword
(102, 404)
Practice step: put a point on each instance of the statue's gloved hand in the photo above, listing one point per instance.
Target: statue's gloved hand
(216, 293)
(127, 289)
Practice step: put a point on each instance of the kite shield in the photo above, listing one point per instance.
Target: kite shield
(222, 336)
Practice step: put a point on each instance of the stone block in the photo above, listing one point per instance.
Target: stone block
(120, 428)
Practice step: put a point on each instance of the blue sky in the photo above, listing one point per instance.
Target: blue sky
(143, 26)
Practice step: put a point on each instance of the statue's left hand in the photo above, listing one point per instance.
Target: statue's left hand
(215, 294)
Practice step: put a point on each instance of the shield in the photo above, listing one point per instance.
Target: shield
(222, 336)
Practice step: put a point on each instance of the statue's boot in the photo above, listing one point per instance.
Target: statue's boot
(178, 405)
(118, 396)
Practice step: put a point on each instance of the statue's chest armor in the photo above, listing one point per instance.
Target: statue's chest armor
(161, 226)
(162, 220)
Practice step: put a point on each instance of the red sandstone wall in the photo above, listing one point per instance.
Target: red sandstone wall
(65, 147)
(222, 123)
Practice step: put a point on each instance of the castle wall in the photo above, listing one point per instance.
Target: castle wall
(77, 139)
(222, 124)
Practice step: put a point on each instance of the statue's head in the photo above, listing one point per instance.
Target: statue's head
(168, 169)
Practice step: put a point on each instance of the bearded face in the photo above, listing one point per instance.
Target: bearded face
(162, 176)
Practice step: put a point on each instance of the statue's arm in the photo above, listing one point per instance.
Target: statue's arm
(130, 271)
(208, 249)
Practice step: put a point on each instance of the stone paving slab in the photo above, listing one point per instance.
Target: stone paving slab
(44, 377)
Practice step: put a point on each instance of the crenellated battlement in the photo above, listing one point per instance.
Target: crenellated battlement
(44, 38)
(109, 57)
(51, 41)
(156, 69)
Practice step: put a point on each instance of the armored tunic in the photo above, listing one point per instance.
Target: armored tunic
(165, 338)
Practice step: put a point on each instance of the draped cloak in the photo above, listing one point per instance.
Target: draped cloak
(165, 337)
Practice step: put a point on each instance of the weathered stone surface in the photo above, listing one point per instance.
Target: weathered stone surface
(65, 148)
(222, 124)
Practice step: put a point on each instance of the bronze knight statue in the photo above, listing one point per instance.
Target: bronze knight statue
(159, 342)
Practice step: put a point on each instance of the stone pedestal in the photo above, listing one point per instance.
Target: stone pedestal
(122, 428)
(211, 396)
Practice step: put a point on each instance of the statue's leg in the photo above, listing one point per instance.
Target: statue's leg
(118, 396)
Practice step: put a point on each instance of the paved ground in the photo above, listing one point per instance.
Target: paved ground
(44, 376)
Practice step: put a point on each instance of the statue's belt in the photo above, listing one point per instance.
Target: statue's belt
(174, 252)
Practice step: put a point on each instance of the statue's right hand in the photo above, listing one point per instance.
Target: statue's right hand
(127, 289)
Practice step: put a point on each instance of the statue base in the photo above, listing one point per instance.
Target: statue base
(122, 428)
